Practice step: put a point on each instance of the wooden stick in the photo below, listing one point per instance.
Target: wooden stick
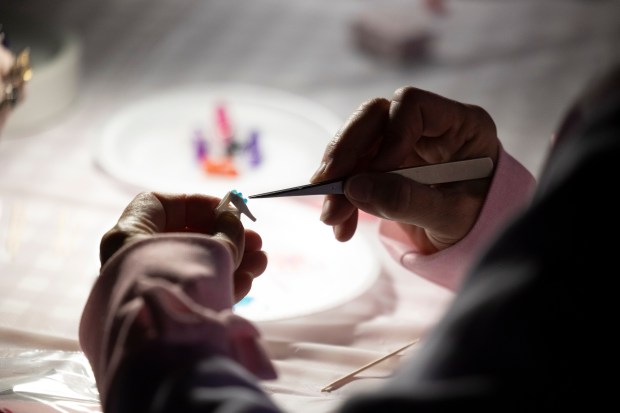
(342, 380)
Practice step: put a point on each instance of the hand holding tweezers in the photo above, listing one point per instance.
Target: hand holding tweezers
(427, 174)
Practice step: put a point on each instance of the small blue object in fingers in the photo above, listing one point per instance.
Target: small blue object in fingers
(238, 207)
(240, 195)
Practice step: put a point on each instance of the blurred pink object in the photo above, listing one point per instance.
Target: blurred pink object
(397, 33)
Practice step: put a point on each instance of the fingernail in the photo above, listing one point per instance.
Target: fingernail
(226, 220)
(359, 188)
(319, 171)
(229, 224)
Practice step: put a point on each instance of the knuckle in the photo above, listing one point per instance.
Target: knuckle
(373, 105)
(369, 109)
(481, 116)
(332, 146)
(143, 195)
(407, 94)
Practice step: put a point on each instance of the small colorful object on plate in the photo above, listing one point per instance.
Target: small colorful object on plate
(213, 137)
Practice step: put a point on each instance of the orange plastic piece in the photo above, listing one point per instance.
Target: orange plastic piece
(224, 166)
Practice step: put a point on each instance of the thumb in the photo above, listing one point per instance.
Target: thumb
(393, 197)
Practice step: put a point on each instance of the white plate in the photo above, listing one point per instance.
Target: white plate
(149, 144)
(308, 271)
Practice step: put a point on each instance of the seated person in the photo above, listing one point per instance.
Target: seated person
(160, 335)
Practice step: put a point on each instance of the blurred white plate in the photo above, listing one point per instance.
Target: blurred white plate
(308, 271)
(149, 144)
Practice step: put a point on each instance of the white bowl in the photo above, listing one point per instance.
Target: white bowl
(55, 59)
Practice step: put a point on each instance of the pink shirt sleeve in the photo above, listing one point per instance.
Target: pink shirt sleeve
(510, 190)
(167, 290)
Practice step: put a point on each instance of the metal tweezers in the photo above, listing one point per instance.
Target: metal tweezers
(427, 174)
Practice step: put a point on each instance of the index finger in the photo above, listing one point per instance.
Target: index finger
(188, 213)
(430, 128)
(350, 149)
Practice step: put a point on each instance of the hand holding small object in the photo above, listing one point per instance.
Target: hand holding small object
(414, 128)
(151, 214)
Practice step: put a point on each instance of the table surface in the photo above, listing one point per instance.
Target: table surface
(521, 60)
